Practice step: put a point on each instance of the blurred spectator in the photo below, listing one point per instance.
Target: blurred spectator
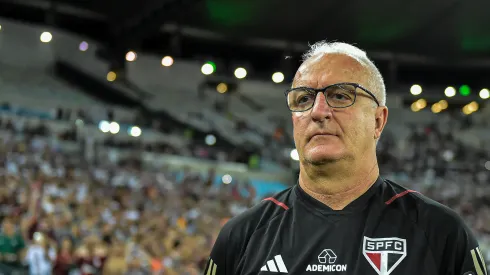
(65, 258)
(39, 256)
(11, 245)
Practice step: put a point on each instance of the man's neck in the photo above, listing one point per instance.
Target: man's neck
(341, 187)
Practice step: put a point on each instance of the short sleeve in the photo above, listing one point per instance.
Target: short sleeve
(462, 254)
(224, 255)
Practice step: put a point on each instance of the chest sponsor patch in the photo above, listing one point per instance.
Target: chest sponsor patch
(327, 262)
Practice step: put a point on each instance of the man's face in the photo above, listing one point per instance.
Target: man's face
(347, 133)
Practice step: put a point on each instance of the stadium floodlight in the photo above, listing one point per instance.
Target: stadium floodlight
(436, 108)
(222, 88)
(473, 106)
(104, 126)
(114, 127)
(0, 27)
(443, 104)
(421, 103)
(111, 76)
(167, 61)
(46, 37)
(208, 68)
(416, 89)
(226, 179)
(278, 77)
(294, 155)
(464, 90)
(210, 140)
(448, 155)
(135, 131)
(470, 108)
(83, 46)
(240, 73)
(414, 107)
(485, 94)
(450, 91)
(131, 56)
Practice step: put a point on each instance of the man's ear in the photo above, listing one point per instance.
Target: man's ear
(381, 118)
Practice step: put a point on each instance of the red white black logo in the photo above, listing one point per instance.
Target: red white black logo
(384, 254)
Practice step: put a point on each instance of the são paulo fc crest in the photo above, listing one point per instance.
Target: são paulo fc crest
(384, 254)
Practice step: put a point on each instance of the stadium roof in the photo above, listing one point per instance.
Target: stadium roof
(409, 37)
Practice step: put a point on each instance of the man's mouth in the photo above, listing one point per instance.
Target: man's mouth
(320, 134)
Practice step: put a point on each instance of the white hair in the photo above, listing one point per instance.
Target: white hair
(375, 80)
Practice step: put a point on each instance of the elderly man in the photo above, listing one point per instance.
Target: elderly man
(342, 217)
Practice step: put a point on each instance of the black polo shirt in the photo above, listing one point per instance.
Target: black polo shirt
(388, 230)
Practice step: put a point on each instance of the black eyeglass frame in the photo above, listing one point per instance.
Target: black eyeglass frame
(323, 90)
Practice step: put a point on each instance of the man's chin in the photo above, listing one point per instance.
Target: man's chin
(321, 159)
(324, 153)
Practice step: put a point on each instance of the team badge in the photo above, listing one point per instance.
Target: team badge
(384, 254)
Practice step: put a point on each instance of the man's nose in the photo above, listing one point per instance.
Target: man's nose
(321, 110)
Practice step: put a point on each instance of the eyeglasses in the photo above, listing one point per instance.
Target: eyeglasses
(340, 95)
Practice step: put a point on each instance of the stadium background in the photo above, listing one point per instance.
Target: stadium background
(128, 136)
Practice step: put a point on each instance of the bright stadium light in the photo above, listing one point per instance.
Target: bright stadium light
(485, 93)
(135, 131)
(278, 77)
(114, 127)
(167, 61)
(111, 76)
(443, 104)
(465, 90)
(473, 106)
(210, 140)
(240, 73)
(104, 126)
(226, 179)
(448, 155)
(416, 89)
(294, 155)
(46, 37)
(421, 103)
(131, 56)
(222, 88)
(414, 107)
(450, 91)
(83, 46)
(470, 108)
(0, 27)
(207, 68)
(436, 108)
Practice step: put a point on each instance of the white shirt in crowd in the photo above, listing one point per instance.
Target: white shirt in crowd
(38, 260)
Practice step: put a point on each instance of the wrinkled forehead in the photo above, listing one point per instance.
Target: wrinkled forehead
(326, 69)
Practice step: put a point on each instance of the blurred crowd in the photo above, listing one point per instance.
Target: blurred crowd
(434, 162)
(63, 214)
